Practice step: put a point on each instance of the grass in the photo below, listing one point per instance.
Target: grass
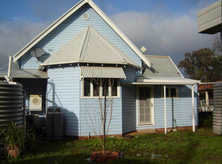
(175, 147)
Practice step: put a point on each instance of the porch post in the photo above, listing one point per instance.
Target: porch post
(164, 93)
(193, 109)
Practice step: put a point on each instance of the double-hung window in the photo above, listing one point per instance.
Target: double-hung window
(99, 87)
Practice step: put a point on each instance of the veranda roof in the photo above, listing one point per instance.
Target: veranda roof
(161, 66)
(102, 72)
(164, 81)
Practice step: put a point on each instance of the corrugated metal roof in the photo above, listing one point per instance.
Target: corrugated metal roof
(26, 73)
(102, 72)
(89, 47)
(161, 66)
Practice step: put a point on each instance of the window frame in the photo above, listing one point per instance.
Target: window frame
(169, 88)
(100, 90)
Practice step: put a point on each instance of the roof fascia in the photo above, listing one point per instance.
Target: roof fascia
(73, 62)
(159, 83)
(182, 81)
(48, 30)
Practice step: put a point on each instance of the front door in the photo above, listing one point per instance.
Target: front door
(145, 105)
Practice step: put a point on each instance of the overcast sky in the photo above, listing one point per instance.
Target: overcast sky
(164, 27)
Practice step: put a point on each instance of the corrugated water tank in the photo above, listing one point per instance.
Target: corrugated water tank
(11, 103)
(217, 116)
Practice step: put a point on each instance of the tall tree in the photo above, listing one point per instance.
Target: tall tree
(202, 65)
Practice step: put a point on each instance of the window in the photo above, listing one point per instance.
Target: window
(171, 91)
(87, 87)
(98, 87)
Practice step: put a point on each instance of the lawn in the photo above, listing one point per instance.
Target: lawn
(176, 147)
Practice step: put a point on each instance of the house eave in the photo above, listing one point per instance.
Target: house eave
(164, 81)
(76, 62)
(159, 83)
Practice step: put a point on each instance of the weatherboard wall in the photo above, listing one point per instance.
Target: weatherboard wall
(70, 28)
(178, 110)
(129, 108)
(63, 90)
(130, 74)
(90, 116)
(129, 101)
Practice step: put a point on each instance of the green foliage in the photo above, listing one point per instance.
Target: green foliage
(217, 45)
(14, 137)
(202, 65)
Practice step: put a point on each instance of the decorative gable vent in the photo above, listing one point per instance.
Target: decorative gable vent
(85, 16)
(35, 102)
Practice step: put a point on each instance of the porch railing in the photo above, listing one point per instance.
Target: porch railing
(205, 106)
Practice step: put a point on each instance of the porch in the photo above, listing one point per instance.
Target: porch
(165, 104)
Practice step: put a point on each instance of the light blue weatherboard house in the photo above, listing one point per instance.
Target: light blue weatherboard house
(150, 93)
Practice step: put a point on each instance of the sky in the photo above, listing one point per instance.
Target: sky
(164, 27)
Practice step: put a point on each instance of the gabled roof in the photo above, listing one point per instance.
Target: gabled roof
(25, 73)
(89, 47)
(161, 66)
(69, 13)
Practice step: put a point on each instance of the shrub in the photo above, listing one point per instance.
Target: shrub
(15, 138)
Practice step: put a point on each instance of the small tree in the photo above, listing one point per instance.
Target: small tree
(103, 88)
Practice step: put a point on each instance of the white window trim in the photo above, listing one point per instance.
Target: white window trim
(152, 123)
(100, 90)
(177, 92)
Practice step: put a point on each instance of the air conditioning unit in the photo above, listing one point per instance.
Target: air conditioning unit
(35, 103)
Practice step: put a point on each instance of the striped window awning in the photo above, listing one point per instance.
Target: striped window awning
(102, 72)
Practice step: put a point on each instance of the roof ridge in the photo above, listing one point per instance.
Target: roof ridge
(84, 43)
(114, 48)
(105, 40)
